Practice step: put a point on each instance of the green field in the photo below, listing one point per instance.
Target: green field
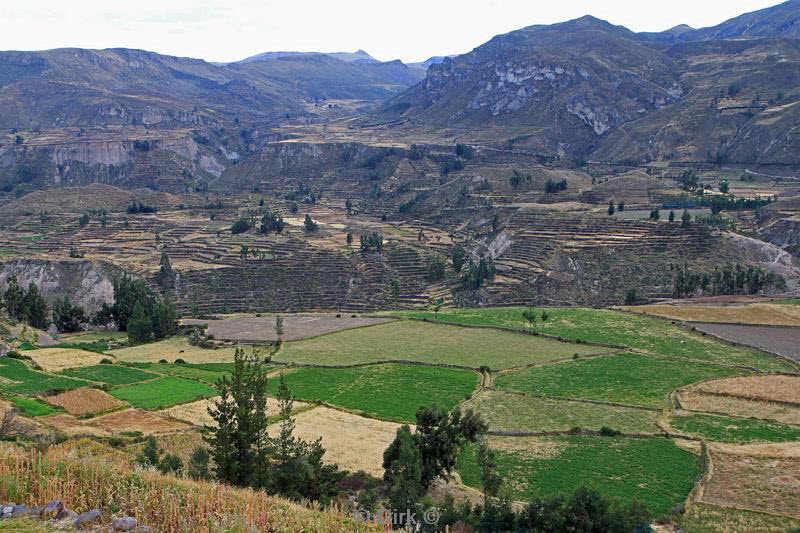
(163, 392)
(511, 412)
(613, 327)
(111, 374)
(32, 406)
(430, 343)
(625, 378)
(391, 391)
(653, 470)
(208, 372)
(737, 430)
(16, 376)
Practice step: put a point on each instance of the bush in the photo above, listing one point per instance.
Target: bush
(106, 361)
(609, 432)
(240, 226)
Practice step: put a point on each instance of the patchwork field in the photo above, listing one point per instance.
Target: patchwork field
(653, 470)
(84, 401)
(110, 374)
(171, 349)
(697, 401)
(353, 442)
(734, 430)
(781, 340)
(251, 328)
(430, 343)
(31, 406)
(624, 378)
(56, 359)
(762, 314)
(752, 482)
(389, 391)
(162, 392)
(505, 411)
(18, 377)
(613, 327)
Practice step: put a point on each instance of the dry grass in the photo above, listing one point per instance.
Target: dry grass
(761, 314)
(749, 482)
(171, 349)
(57, 359)
(353, 442)
(713, 519)
(529, 447)
(88, 475)
(72, 426)
(196, 413)
(772, 449)
(740, 407)
(84, 401)
(773, 388)
(136, 420)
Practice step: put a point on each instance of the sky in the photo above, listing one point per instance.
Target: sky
(410, 30)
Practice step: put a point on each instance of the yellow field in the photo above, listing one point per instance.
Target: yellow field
(84, 401)
(171, 349)
(56, 359)
(740, 407)
(760, 314)
(353, 442)
(196, 413)
(772, 388)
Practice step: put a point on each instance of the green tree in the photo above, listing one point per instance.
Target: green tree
(279, 328)
(402, 465)
(166, 276)
(34, 307)
(150, 454)
(530, 317)
(140, 326)
(67, 317)
(458, 257)
(197, 467)
(240, 226)
(490, 478)
(171, 464)
(310, 225)
(165, 320)
(12, 298)
(239, 443)
(724, 186)
(621, 206)
(631, 297)
(671, 215)
(84, 220)
(349, 238)
(686, 218)
(436, 266)
(611, 209)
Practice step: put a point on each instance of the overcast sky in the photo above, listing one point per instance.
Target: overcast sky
(411, 30)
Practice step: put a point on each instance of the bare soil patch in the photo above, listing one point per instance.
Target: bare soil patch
(765, 483)
(353, 442)
(84, 401)
(137, 420)
(250, 328)
(780, 340)
(762, 314)
(57, 359)
(72, 426)
(697, 401)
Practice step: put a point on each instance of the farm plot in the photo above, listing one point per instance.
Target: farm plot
(208, 372)
(250, 328)
(762, 314)
(172, 349)
(775, 388)
(72, 426)
(621, 329)
(353, 442)
(625, 378)
(110, 374)
(430, 343)
(652, 470)
(56, 359)
(388, 391)
(505, 411)
(136, 420)
(162, 392)
(780, 340)
(31, 406)
(711, 403)
(17, 377)
(735, 430)
(752, 482)
(196, 413)
(84, 401)
(705, 518)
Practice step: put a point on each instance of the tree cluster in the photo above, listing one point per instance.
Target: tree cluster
(137, 311)
(26, 305)
(518, 177)
(242, 225)
(371, 242)
(730, 279)
(139, 207)
(436, 266)
(272, 222)
(68, 317)
(477, 273)
(555, 186)
(458, 256)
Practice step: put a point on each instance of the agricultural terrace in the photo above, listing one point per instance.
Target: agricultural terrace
(408, 340)
(654, 470)
(110, 374)
(625, 378)
(753, 314)
(55, 359)
(163, 392)
(604, 326)
(388, 391)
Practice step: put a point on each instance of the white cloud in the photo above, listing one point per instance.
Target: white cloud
(222, 30)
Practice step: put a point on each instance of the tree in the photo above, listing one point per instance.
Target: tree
(671, 215)
(724, 186)
(458, 256)
(12, 298)
(310, 225)
(150, 454)
(631, 297)
(165, 320)
(166, 276)
(197, 467)
(655, 214)
(621, 205)
(402, 465)
(67, 317)
(490, 479)
(239, 443)
(140, 327)
(84, 220)
(34, 308)
(611, 209)
(171, 464)
(686, 218)
(530, 317)
(240, 226)
(18, 140)
(279, 327)
(436, 268)
(349, 238)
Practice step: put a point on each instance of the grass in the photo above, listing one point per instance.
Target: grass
(612, 327)
(735, 430)
(705, 518)
(391, 392)
(652, 470)
(97, 346)
(512, 412)
(172, 349)
(208, 372)
(430, 343)
(32, 406)
(162, 392)
(787, 301)
(29, 382)
(110, 374)
(625, 378)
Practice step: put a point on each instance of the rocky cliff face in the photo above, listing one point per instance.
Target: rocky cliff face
(87, 283)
